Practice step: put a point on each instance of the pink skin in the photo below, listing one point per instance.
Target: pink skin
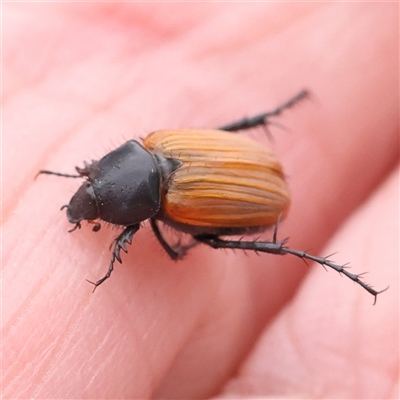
(80, 79)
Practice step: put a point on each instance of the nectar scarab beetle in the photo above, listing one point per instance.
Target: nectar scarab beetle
(207, 183)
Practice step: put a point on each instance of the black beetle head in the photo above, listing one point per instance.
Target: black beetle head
(82, 205)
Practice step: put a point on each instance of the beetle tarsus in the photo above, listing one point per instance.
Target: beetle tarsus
(262, 119)
(279, 248)
(119, 244)
(76, 226)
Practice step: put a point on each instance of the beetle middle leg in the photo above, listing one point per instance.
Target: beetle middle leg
(118, 244)
(177, 252)
(262, 119)
(171, 252)
(280, 248)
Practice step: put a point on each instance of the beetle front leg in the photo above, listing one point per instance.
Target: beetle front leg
(118, 244)
(280, 248)
(262, 119)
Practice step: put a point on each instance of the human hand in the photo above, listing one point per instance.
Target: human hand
(79, 80)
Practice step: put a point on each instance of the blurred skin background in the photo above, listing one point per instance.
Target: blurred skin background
(81, 79)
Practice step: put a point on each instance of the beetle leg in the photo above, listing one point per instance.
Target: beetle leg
(279, 248)
(171, 252)
(175, 253)
(119, 244)
(262, 119)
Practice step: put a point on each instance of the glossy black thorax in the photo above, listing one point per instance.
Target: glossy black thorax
(123, 186)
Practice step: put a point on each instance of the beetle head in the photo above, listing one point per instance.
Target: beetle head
(82, 205)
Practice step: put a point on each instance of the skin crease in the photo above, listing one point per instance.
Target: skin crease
(80, 79)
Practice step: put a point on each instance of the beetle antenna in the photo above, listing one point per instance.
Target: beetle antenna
(45, 171)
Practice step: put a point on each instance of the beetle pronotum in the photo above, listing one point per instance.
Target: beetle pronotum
(206, 183)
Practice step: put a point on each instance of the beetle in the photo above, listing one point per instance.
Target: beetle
(208, 183)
